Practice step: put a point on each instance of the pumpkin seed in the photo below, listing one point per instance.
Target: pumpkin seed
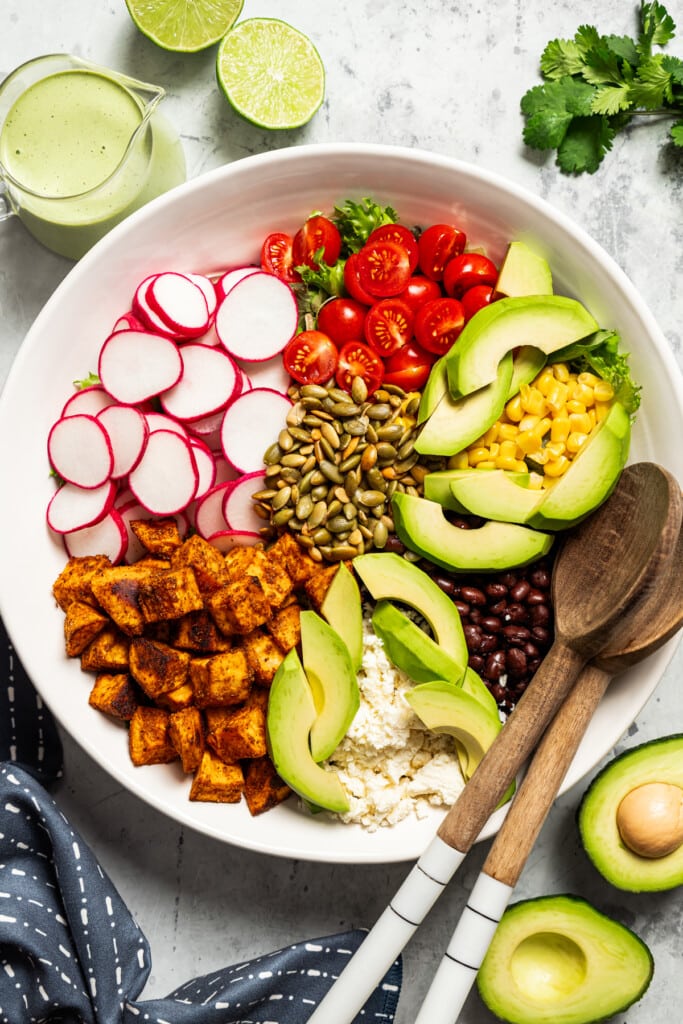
(304, 507)
(283, 516)
(281, 498)
(379, 411)
(380, 534)
(318, 514)
(322, 536)
(372, 498)
(330, 435)
(313, 391)
(359, 390)
(331, 472)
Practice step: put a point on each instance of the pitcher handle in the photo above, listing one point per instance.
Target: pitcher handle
(7, 207)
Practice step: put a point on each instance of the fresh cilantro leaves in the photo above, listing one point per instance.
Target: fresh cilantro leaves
(595, 84)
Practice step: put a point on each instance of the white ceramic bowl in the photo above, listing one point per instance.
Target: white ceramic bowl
(220, 220)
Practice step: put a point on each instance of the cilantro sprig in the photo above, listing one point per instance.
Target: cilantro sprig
(596, 84)
(601, 354)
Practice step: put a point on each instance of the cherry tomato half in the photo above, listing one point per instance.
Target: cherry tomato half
(438, 324)
(419, 290)
(438, 244)
(476, 298)
(352, 281)
(397, 233)
(310, 357)
(466, 270)
(388, 326)
(342, 320)
(409, 368)
(358, 360)
(317, 233)
(276, 257)
(383, 268)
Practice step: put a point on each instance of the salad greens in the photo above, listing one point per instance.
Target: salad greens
(600, 355)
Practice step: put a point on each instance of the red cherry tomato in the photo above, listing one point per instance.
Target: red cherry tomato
(409, 368)
(397, 233)
(383, 268)
(310, 357)
(317, 233)
(276, 257)
(466, 270)
(476, 298)
(358, 360)
(419, 290)
(352, 281)
(342, 320)
(438, 324)
(438, 244)
(388, 326)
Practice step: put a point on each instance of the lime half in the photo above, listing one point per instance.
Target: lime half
(184, 26)
(271, 73)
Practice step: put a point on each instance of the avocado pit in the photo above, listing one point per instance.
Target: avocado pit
(650, 819)
(546, 966)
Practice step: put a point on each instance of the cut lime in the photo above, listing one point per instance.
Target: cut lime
(271, 73)
(184, 25)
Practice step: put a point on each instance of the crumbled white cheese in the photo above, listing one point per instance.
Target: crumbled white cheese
(390, 765)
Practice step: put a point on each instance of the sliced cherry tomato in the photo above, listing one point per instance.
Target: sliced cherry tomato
(342, 320)
(476, 298)
(317, 233)
(438, 324)
(383, 268)
(310, 357)
(420, 289)
(409, 368)
(352, 281)
(276, 257)
(397, 233)
(438, 244)
(388, 326)
(358, 360)
(466, 270)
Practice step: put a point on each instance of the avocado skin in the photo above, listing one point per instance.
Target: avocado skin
(596, 817)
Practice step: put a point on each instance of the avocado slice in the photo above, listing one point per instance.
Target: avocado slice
(343, 609)
(526, 366)
(387, 575)
(558, 959)
(291, 714)
(475, 686)
(496, 494)
(434, 390)
(411, 649)
(332, 679)
(524, 272)
(547, 322)
(423, 527)
(651, 777)
(437, 485)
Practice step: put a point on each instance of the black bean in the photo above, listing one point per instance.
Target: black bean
(516, 635)
(495, 665)
(536, 597)
(541, 635)
(515, 613)
(498, 692)
(498, 608)
(488, 643)
(516, 662)
(473, 636)
(496, 590)
(540, 578)
(476, 662)
(491, 623)
(531, 650)
(446, 583)
(520, 590)
(463, 608)
(473, 595)
(539, 615)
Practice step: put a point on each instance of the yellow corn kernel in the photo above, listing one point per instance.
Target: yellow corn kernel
(555, 450)
(491, 435)
(544, 380)
(477, 455)
(494, 449)
(508, 449)
(601, 410)
(575, 407)
(508, 462)
(529, 421)
(588, 378)
(528, 441)
(557, 467)
(514, 409)
(559, 429)
(575, 441)
(507, 431)
(459, 461)
(603, 391)
(582, 393)
(561, 371)
(556, 398)
(486, 464)
(592, 416)
(532, 400)
(580, 422)
(535, 481)
(539, 456)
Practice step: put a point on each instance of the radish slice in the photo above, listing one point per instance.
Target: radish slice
(165, 479)
(270, 373)
(129, 321)
(206, 466)
(159, 421)
(257, 317)
(137, 365)
(210, 337)
(224, 471)
(144, 312)
(239, 510)
(229, 279)
(210, 380)
(207, 288)
(80, 451)
(128, 431)
(72, 507)
(208, 428)
(208, 515)
(108, 537)
(226, 540)
(88, 401)
(249, 425)
(179, 302)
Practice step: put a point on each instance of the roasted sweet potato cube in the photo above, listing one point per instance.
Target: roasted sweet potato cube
(157, 667)
(240, 607)
(271, 572)
(216, 781)
(169, 595)
(108, 652)
(285, 627)
(82, 623)
(74, 582)
(240, 734)
(187, 735)
(317, 586)
(176, 700)
(117, 590)
(158, 536)
(149, 738)
(298, 563)
(222, 681)
(263, 787)
(238, 560)
(263, 656)
(206, 562)
(198, 632)
(114, 693)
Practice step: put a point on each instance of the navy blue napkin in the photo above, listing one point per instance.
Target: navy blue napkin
(71, 951)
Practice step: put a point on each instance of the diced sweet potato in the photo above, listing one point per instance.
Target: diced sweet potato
(263, 787)
(117, 590)
(74, 582)
(206, 562)
(238, 560)
(114, 694)
(149, 737)
(240, 734)
(198, 632)
(169, 595)
(240, 607)
(285, 627)
(217, 781)
(187, 735)
(158, 536)
(82, 623)
(221, 681)
(157, 667)
(264, 657)
(108, 652)
(273, 576)
(317, 586)
(297, 562)
(176, 700)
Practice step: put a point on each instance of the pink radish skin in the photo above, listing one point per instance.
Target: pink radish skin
(238, 504)
(73, 508)
(249, 425)
(226, 540)
(179, 302)
(229, 279)
(135, 366)
(207, 288)
(165, 479)
(257, 317)
(87, 401)
(159, 421)
(108, 537)
(129, 321)
(128, 432)
(206, 466)
(210, 380)
(144, 312)
(208, 514)
(80, 451)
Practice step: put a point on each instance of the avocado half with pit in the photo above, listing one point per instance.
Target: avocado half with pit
(559, 960)
(631, 817)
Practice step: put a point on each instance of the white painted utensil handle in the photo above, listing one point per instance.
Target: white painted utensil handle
(461, 961)
(407, 910)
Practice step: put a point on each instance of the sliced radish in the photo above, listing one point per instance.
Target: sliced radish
(209, 381)
(159, 421)
(108, 537)
(239, 510)
(249, 425)
(80, 451)
(224, 471)
(206, 285)
(270, 373)
(137, 365)
(144, 312)
(180, 303)
(72, 507)
(226, 540)
(257, 317)
(229, 279)
(165, 479)
(210, 337)
(208, 428)
(208, 513)
(128, 431)
(88, 401)
(129, 321)
(206, 466)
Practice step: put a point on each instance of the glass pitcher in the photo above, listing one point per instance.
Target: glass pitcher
(81, 147)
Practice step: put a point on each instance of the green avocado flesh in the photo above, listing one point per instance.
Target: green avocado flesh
(343, 609)
(658, 761)
(332, 679)
(558, 960)
(524, 272)
(412, 650)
